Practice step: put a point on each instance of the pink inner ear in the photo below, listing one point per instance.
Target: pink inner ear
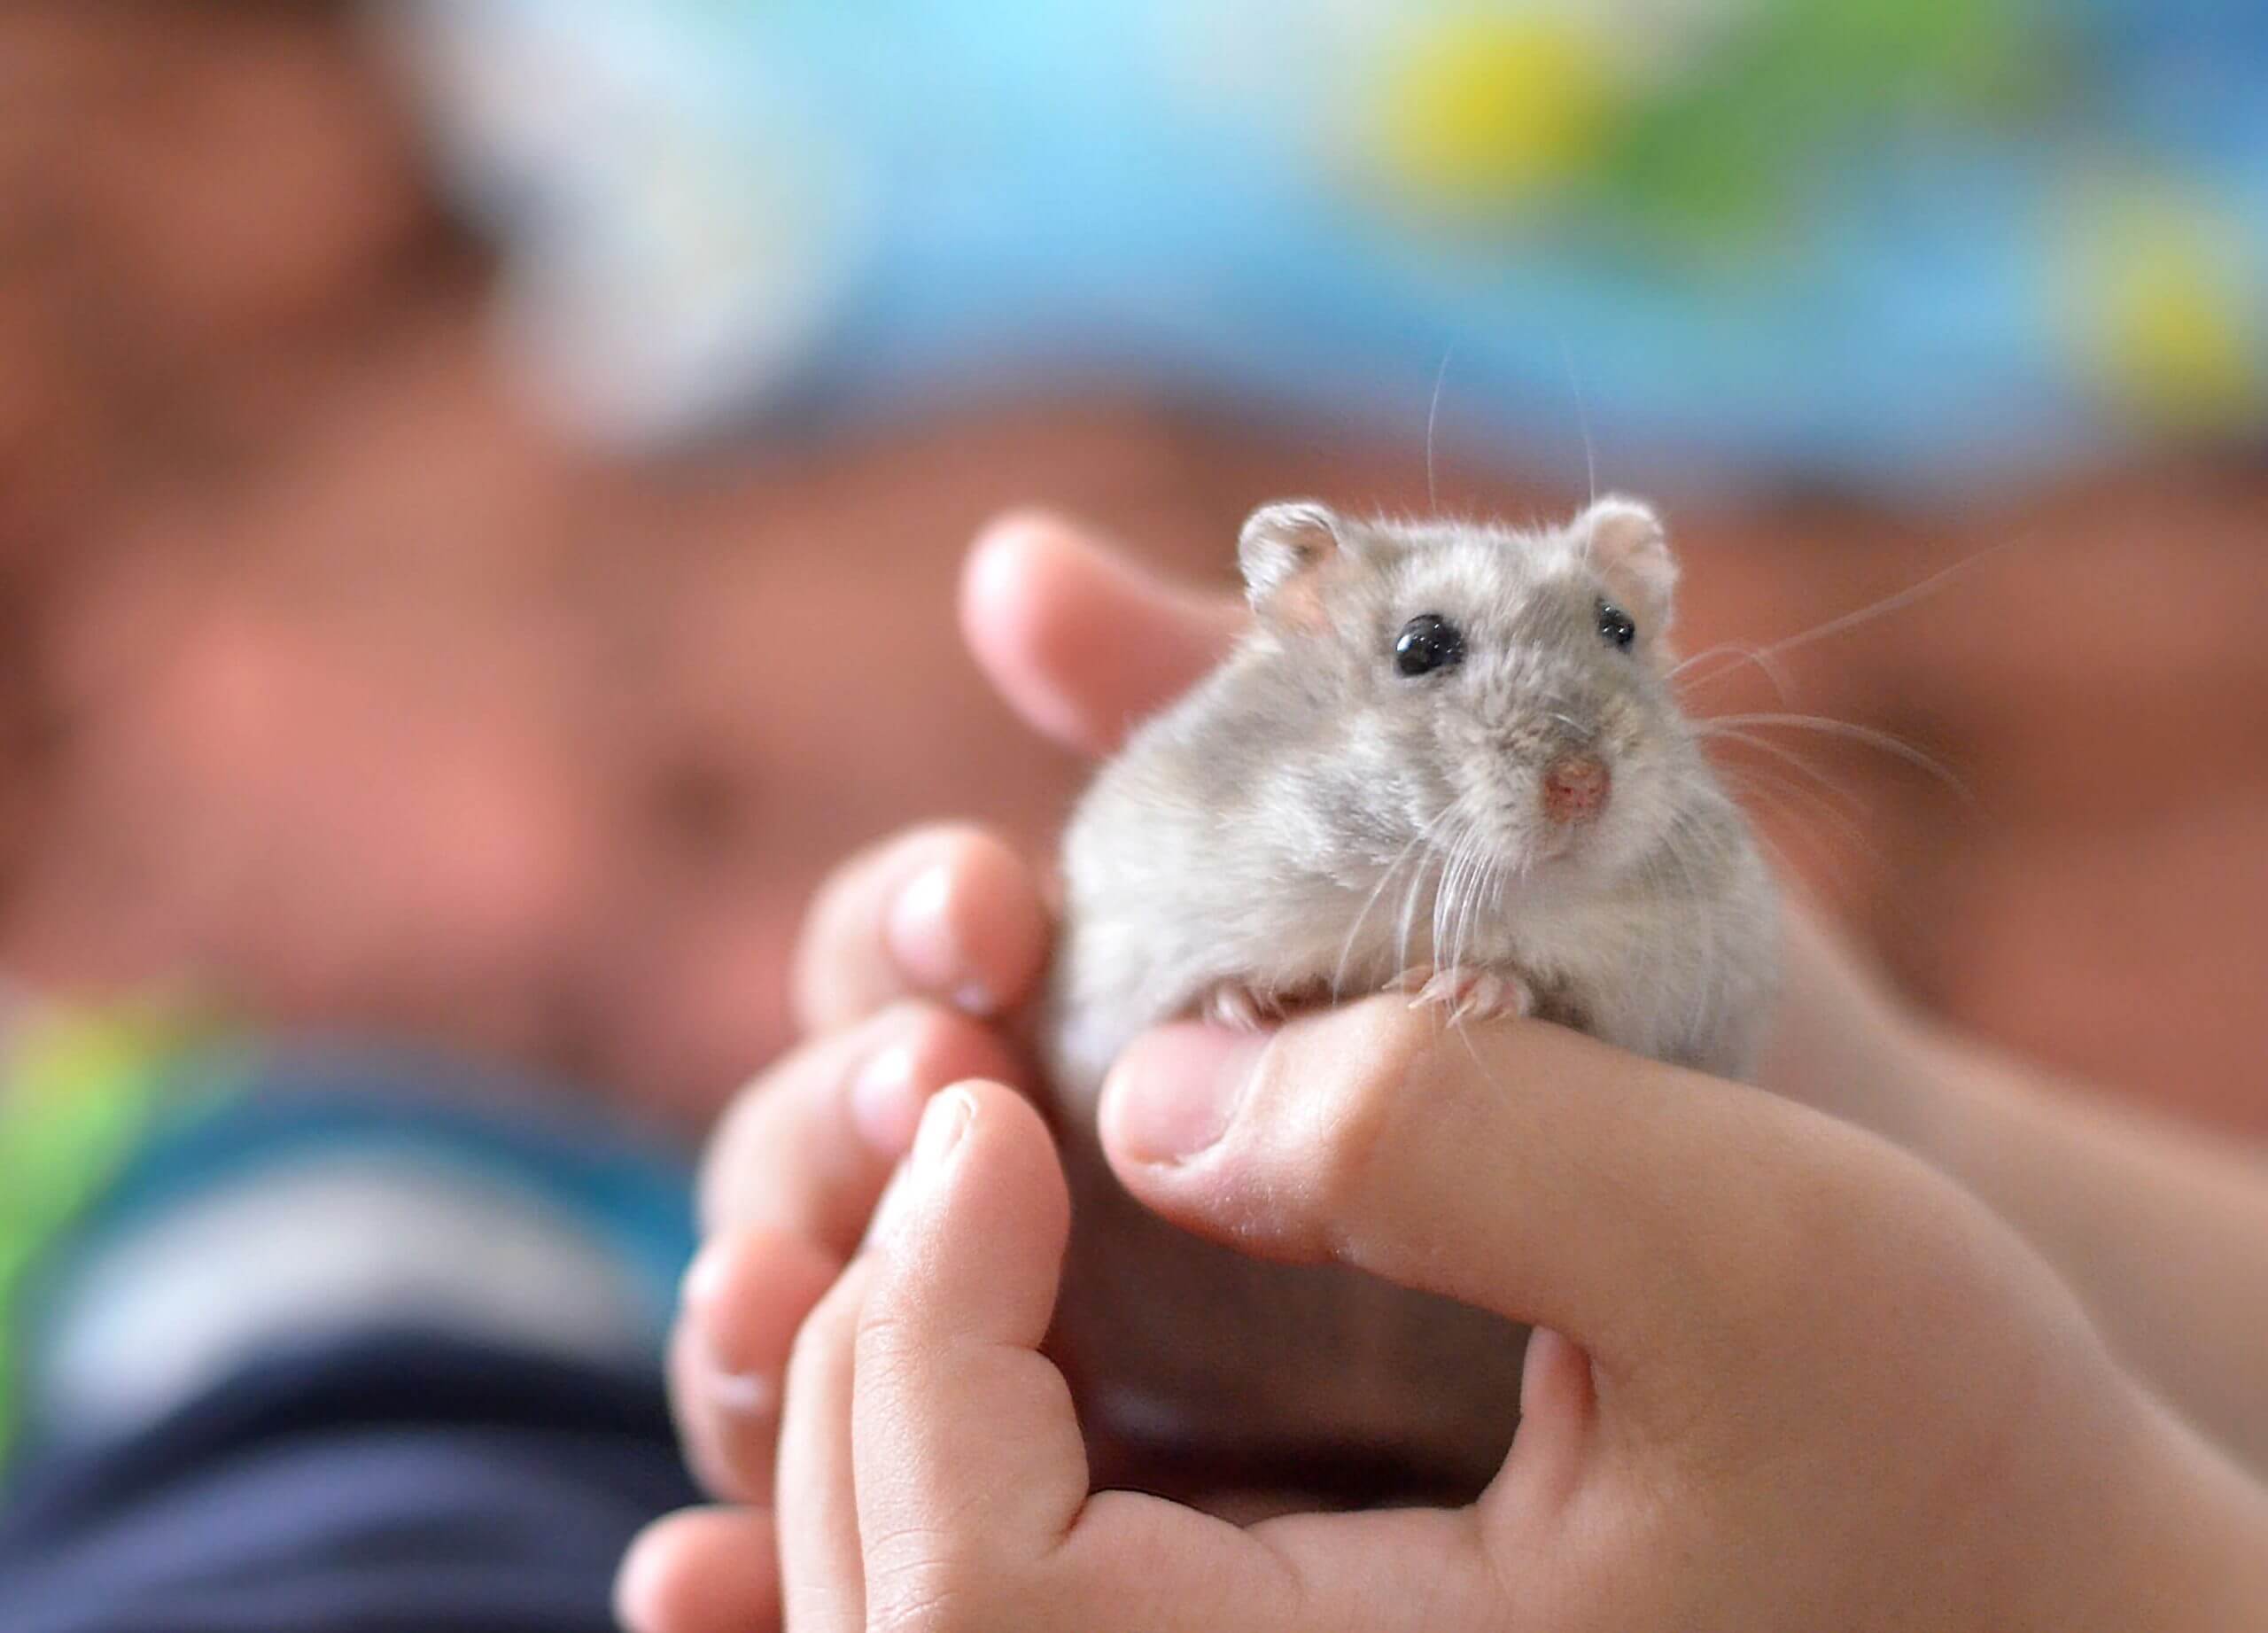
(1620, 528)
(1287, 552)
(1299, 601)
(1631, 552)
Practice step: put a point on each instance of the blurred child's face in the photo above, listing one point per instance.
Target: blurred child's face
(447, 730)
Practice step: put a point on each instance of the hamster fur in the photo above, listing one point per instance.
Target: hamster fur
(1446, 758)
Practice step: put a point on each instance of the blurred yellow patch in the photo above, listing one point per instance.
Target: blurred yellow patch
(2167, 302)
(1482, 109)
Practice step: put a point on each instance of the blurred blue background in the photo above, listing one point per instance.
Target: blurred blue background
(482, 482)
(1876, 241)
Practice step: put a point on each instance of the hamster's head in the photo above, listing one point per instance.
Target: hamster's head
(1502, 691)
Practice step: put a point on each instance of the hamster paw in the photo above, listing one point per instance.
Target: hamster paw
(1239, 1007)
(1470, 993)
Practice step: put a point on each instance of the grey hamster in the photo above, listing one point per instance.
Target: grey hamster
(1447, 759)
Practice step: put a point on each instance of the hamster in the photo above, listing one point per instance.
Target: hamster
(1446, 759)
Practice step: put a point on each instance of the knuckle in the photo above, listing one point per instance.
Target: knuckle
(891, 1349)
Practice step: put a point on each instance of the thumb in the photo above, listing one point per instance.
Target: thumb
(973, 1509)
(1647, 1212)
(1078, 640)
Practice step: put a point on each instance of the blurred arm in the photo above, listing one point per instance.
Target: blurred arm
(2162, 1231)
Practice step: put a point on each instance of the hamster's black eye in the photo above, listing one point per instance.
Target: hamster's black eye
(1427, 642)
(1614, 625)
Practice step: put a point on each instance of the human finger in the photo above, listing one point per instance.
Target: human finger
(1643, 1211)
(1080, 641)
(948, 912)
(808, 1146)
(973, 1483)
(745, 1296)
(963, 1414)
(822, 1568)
(700, 1570)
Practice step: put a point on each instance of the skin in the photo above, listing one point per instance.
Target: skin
(1868, 1369)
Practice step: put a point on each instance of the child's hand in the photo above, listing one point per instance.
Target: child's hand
(793, 1171)
(919, 955)
(1805, 1383)
(913, 968)
(887, 979)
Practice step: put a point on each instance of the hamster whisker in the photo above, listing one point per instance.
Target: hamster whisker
(1436, 865)
(1444, 892)
(1803, 803)
(1817, 847)
(1452, 915)
(1461, 905)
(1897, 600)
(1572, 724)
(1354, 930)
(1854, 804)
(1477, 896)
(1740, 651)
(1582, 419)
(1432, 413)
(1790, 796)
(1454, 912)
(1478, 886)
(1434, 862)
(1866, 735)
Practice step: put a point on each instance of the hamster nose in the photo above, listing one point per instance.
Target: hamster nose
(1574, 787)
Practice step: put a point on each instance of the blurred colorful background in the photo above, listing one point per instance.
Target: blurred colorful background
(481, 481)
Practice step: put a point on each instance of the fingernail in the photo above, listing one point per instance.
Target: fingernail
(943, 1122)
(974, 1000)
(696, 1294)
(747, 1391)
(744, 1394)
(885, 1105)
(638, 1582)
(921, 934)
(1173, 1092)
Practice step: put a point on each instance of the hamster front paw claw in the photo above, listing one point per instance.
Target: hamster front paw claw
(1469, 994)
(1239, 1007)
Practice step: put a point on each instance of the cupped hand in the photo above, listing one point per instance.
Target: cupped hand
(915, 961)
(1788, 1377)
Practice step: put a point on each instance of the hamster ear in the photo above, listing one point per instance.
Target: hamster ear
(1283, 550)
(1631, 551)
